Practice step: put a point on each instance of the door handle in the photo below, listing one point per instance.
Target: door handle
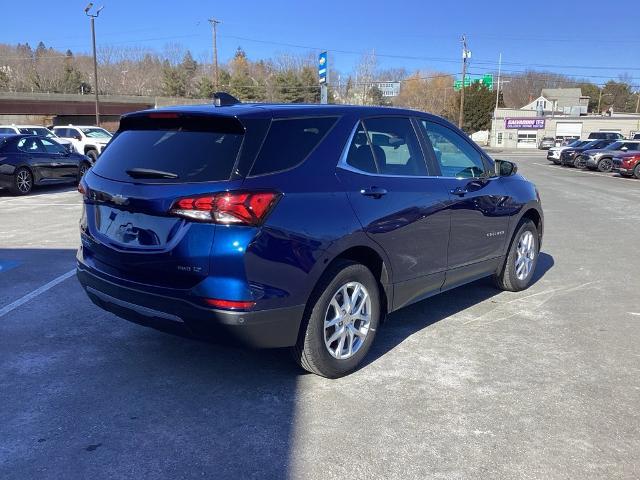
(459, 191)
(375, 192)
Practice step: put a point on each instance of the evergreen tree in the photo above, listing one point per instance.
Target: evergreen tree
(174, 81)
(479, 103)
(204, 88)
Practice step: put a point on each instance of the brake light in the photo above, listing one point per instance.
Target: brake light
(229, 304)
(163, 115)
(227, 208)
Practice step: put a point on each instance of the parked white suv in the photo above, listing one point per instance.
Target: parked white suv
(86, 139)
(36, 130)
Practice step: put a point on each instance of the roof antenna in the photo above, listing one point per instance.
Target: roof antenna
(223, 99)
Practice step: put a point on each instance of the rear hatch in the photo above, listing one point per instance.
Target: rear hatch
(155, 160)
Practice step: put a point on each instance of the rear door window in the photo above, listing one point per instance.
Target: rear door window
(30, 145)
(188, 156)
(289, 142)
(395, 146)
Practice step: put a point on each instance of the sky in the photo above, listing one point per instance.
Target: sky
(564, 36)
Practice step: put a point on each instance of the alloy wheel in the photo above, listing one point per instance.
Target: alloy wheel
(347, 320)
(605, 165)
(526, 255)
(23, 181)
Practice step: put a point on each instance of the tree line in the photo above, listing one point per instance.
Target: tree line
(174, 72)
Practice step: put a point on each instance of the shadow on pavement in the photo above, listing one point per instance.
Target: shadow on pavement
(405, 322)
(87, 395)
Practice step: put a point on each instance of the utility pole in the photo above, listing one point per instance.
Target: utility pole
(498, 88)
(599, 101)
(465, 55)
(93, 17)
(214, 32)
(638, 102)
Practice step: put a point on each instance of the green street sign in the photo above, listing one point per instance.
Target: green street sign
(486, 80)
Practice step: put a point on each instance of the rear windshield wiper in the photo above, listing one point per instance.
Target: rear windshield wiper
(149, 173)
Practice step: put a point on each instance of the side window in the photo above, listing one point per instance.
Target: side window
(61, 132)
(395, 146)
(456, 156)
(289, 142)
(51, 147)
(360, 155)
(7, 130)
(29, 145)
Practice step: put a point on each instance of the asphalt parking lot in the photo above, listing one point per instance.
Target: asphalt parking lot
(474, 383)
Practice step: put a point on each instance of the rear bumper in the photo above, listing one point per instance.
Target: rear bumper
(272, 328)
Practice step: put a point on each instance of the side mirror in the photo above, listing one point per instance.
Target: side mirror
(77, 137)
(505, 168)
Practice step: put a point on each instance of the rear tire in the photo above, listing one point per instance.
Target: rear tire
(636, 171)
(345, 307)
(521, 261)
(93, 155)
(22, 181)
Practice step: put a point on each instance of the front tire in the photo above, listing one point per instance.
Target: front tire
(636, 171)
(22, 181)
(82, 170)
(605, 165)
(521, 261)
(341, 321)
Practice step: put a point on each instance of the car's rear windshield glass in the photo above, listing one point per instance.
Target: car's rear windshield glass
(289, 142)
(96, 132)
(169, 156)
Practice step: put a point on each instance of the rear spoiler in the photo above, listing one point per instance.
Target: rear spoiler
(181, 120)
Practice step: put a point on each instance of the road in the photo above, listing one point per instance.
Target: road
(474, 383)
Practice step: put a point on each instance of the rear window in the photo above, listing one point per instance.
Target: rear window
(289, 142)
(192, 156)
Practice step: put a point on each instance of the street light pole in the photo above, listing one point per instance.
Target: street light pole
(93, 17)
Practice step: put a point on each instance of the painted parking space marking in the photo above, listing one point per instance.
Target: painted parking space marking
(597, 174)
(39, 291)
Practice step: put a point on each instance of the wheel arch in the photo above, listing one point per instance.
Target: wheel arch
(375, 261)
(536, 217)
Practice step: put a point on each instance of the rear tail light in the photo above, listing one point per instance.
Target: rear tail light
(82, 188)
(227, 208)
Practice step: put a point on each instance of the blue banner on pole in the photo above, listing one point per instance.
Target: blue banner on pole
(322, 67)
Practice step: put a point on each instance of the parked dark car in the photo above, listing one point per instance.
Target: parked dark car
(605, 136)
(29, 160)
(554, 153)
(297, 226)
(568, 156)
(602, 159)
(627, 164)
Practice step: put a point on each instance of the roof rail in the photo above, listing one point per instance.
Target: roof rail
(223, 99)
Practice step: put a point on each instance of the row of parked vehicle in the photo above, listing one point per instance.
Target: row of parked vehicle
(32, 155)
(605, 155)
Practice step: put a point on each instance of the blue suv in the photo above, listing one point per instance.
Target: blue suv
(297, 226)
